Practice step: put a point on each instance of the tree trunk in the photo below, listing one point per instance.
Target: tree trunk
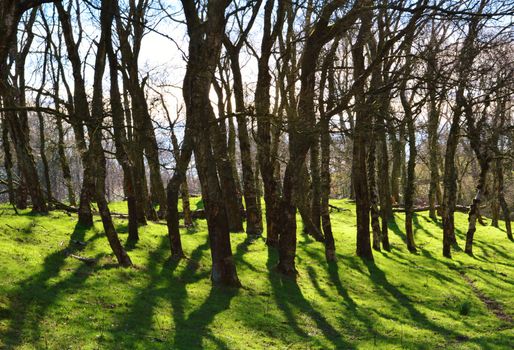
(361, 135)
(466, 57)
(258, 191)
(8, 163)
(475, 206)
(328, 81)
(396, 146)
(177, 181)
(253, 223)
(44, 159)
(411, 169)
(25, 158)
(303, 203)
(231, 150)
(95, 155)
(495, 204)
(186, 206)
(501, 199)
(315, 204)
(121, 142)
(450, 187)
(65, 167)
(433, 140)
(130, 37)
(42, 138)
(303, 133)
(330, 248)
(375, 213)
(226, 176)
(204, 51)
(384, 188)
(80, 115)
(434, 193)
(262, 113)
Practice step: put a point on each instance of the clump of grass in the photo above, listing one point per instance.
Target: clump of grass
(465, 308)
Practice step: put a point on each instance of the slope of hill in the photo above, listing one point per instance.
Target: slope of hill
(49, 299)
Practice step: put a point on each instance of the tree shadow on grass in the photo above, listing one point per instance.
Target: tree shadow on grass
(332, 269)
(313, 276)
(418, 226)
(393, 226)
(291, 301)
(492, 251)
(138, 321)
(398, 258)
(379, 278)
(243, 247)
(34, 295)
(190, 331)
(139, 317)
(415, 220)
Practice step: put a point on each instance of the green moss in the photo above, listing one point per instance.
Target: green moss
(401, 300)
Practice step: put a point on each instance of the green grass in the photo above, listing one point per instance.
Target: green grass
(402, 300)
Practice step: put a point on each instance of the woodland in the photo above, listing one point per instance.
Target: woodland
(230, 174)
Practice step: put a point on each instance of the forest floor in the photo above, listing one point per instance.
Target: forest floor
(50, 300)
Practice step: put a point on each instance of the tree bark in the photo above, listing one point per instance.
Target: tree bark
(177, 181)
(186, 205)
(475, 206)
(95, 155)
(411, 166)
(8, 164)
(501, 199)
(42, 137)
(225, 170)
(263, 117)
(374, 210)
(465, 61)
(204, 50)
(121, 141)
(24, 155)
(327, 81)
(132, 33)
(302, 130)
(314, 164)
(253, 223)
(80, 115)
(360, 138)
(384, 188)
(433, 140)
(495, 204)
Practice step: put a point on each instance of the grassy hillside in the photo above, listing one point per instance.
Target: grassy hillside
(49, 300)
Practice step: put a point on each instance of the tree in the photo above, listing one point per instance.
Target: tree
(253, 217)
(300, 136)
(265, 155)
(130, 35)
(465, 61)
(205, 39)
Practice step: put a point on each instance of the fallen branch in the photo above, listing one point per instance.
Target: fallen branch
(84, 259)
(338, 209)
(195, 214)
(459, 208)
(61, 206)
